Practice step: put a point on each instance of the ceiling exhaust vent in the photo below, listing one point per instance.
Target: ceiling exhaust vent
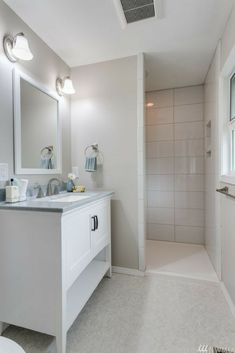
(130, 11)
(137, 10)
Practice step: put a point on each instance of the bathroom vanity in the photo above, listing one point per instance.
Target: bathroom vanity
(53, 254)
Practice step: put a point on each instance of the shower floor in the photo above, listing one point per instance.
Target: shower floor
(178, 259)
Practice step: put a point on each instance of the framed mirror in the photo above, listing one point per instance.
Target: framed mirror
(37, 127)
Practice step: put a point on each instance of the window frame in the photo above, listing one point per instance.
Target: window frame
(230, 96)
(231, 129)
(228, 139)
(231, 137)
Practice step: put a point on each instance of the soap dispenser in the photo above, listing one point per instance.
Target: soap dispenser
(12, 192)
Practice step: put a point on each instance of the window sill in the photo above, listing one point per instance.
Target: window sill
(228, 179)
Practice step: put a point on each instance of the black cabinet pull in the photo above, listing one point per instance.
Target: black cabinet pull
(97, 222)
(93, 227)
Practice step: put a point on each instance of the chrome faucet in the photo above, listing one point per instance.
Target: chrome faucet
(57, 187)
(40, 193)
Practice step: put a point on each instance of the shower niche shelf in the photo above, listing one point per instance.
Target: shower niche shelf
(208, 139)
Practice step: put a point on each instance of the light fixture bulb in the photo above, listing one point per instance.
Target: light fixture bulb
(150, 104)
(67, 87)
(64, 86)
(21, 48)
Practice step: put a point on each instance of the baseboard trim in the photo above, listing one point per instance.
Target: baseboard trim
(127, 271)
(172, 274)
(228, 298)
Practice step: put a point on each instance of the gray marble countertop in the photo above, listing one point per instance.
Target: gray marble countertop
(50, 204)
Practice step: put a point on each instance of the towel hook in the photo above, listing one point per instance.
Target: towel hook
(94, 148)
(47, 149)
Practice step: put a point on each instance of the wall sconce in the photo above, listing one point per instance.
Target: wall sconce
(17, 47)
(64, 86)
(150, 104)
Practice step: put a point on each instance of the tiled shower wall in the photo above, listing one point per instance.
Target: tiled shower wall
(175, 165)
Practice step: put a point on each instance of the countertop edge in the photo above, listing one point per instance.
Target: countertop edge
(98, 195)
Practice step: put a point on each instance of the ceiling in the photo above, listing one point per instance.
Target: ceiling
(178, 47)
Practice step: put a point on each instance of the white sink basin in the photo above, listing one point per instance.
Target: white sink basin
(69, 198)
(63, 198)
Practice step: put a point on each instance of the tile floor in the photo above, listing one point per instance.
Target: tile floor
(150, 314)
(185, 260)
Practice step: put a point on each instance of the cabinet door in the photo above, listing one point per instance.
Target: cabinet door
(77, 243)
(100, 226)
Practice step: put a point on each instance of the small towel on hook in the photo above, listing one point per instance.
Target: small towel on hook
(47, 158)
(91, 158)
(91, 164)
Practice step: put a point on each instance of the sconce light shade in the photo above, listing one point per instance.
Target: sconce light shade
(17, 47)
(64, 86)
(68, 86)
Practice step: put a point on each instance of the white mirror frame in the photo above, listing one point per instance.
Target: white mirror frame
(17, 75)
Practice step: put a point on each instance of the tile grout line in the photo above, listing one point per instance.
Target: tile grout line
(187, 139)
(176, 105)
(174, 160)
(169, 140)
(177, 122)
(177, 225)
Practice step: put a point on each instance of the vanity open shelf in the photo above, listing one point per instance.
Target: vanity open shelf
(51, 261)
(82, 289)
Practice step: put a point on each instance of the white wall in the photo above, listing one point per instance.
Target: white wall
(227, 204)
(228, 243)
(220, 210)
(175, 165)
(228, 41)
(45, 67)
(104, 111)
(212, 199)
(141, 165)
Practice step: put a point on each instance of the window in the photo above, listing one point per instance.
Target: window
(225, 135)
(231, 125)
(232, 97)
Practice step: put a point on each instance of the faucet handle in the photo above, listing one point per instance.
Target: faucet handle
(38, 187)
(49, 189)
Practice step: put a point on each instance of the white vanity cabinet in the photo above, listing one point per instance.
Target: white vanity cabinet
(86, 232)
(50, 264)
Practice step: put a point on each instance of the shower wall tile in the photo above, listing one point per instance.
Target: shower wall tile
(160, 198)
(164, 232)
(159, 132)
(188, 113)
(189, 148)
(189, 182)
(161, 98)
(160, 215)
(188, 95)
(160, 116)
(159, 149)
(194, 235)
(189, 217)
(187, 131)
(175, 165)
(189, 165)
(160, 166)
(188, 199)
(160, 182)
